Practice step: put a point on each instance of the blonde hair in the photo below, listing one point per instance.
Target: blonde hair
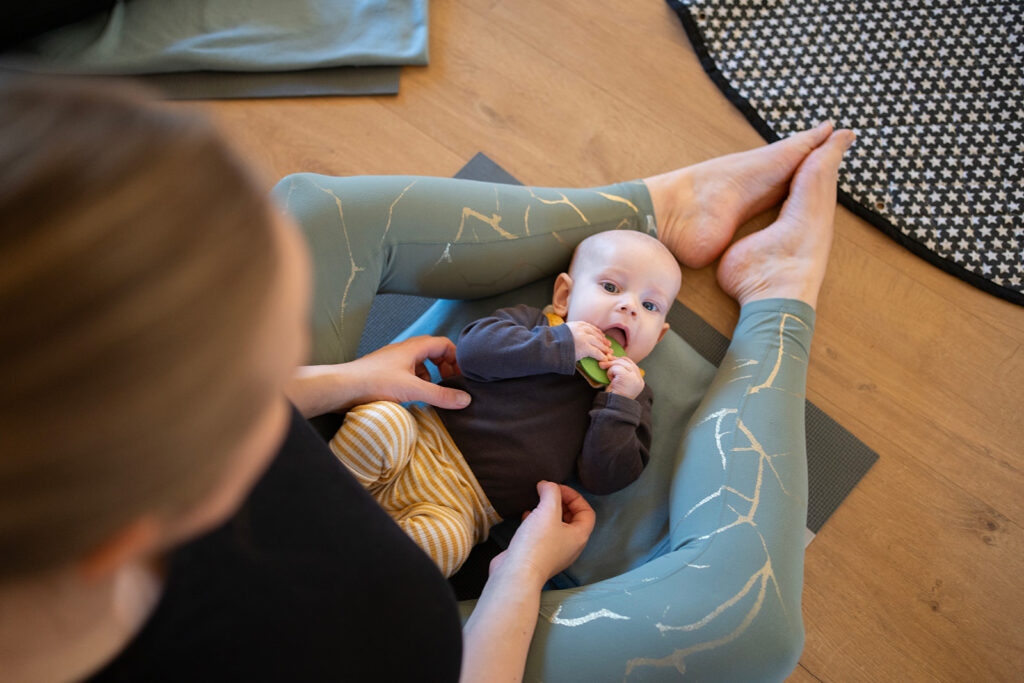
(136, 254)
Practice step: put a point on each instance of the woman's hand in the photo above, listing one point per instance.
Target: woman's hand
(551, 536)
(396, 372)
(496, 638)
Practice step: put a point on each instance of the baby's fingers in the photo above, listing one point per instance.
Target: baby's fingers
(618, 363)
(602, 352)
(599, 340)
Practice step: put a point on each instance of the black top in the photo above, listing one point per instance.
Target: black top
(309, 581)
(533, 417)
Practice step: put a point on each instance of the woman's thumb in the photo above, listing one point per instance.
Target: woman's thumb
(442, 397)
(550, 495)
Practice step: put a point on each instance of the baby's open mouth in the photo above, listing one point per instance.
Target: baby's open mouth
(618, 334)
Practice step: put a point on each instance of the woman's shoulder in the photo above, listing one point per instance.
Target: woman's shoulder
(310, 579)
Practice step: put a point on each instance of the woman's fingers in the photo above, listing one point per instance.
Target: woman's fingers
(437, 350)
(436, 395)
(441, 352)
(553, 534)
(550, 498)
(567, 504)
(576, 509)
(422, 372)
(417, 386)
(448, 369)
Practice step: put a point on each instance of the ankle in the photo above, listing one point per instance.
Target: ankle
(794, 293)
(674, 202)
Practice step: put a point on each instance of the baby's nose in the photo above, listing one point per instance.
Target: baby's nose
(626, 307)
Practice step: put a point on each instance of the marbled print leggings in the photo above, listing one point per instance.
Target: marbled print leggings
(722, 603)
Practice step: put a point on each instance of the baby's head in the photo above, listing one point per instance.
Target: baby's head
(623, 282)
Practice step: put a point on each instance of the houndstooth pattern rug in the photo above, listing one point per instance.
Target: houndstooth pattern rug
(934, 90)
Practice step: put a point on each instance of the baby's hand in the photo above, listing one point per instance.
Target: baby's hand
(590, 342)
(625, 377)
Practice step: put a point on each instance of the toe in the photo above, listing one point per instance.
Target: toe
(817, 176)
(762, 176)
(797, 146)
(815, 136)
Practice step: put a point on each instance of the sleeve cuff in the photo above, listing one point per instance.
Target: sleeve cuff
(566, 349)
(619, 403)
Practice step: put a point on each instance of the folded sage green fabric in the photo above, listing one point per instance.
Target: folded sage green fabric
(164, 36)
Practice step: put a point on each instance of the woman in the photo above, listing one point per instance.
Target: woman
(154, 310)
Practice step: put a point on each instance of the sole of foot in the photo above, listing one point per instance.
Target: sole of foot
(788, 259)
(699, 208)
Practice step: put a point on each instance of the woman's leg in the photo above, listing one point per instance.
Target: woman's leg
(739, 504)
(722, 605)
(438, 237)
(462, 239)
(724, 602)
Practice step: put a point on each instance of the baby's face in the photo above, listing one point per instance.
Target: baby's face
(625, 288)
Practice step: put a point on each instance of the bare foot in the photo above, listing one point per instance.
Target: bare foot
(698, 208)
(788, 258)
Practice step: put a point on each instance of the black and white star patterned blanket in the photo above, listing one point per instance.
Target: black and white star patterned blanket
(934, 90)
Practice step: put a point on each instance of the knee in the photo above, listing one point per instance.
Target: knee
(780, 650)
(381, 432)
(442, 532)
(386, 423)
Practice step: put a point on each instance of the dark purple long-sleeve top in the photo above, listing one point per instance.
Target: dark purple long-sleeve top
(533, 417)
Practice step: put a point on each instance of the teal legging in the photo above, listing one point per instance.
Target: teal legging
(718, 596)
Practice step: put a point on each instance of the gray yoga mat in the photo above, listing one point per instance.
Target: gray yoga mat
(836, 459)
(223, 85)
(226, 85)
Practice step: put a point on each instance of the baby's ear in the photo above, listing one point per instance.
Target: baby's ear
(664, 329)
(560, 297)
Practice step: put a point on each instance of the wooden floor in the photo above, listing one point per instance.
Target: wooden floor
(918, 576)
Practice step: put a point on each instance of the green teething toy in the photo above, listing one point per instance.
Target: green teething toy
(590, 368)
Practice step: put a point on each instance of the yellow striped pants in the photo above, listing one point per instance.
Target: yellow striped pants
(407, 460)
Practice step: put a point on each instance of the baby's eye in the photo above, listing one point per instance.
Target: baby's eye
(651, 306)
(610, 287)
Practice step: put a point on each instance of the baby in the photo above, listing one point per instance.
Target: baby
(447, 476)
